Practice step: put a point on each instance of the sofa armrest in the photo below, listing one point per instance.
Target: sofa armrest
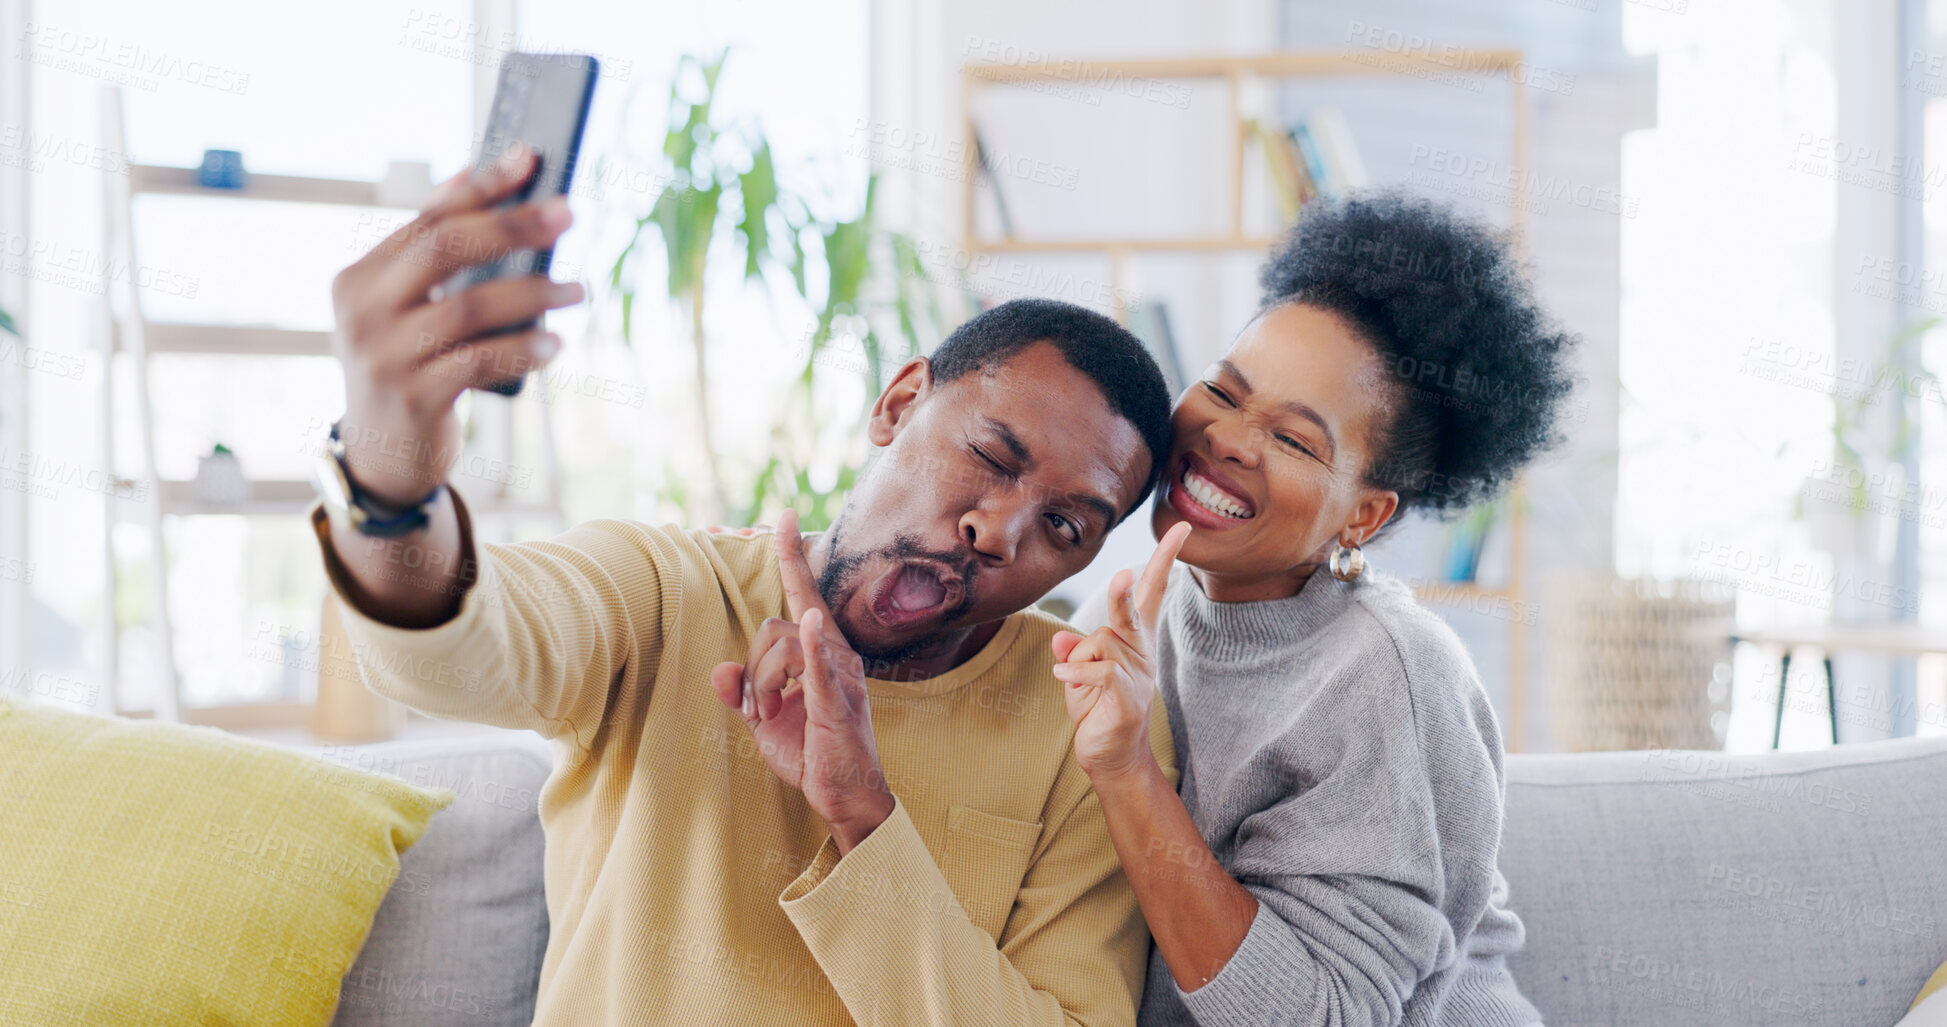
(461, 934)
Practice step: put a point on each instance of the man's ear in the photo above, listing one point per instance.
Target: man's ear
(1375, 508)
(896, 405)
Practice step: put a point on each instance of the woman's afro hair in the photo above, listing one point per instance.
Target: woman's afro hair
(1474, 375)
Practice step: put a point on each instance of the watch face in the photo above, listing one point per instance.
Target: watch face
(347, 507)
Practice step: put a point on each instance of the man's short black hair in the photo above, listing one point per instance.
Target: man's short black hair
(1475, 374)
(1091, 343)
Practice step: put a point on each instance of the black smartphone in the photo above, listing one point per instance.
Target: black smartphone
(541, 100)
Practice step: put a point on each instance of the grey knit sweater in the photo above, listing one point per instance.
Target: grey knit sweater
(1341, 760)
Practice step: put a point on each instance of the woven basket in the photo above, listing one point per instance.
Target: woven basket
(1637, 664)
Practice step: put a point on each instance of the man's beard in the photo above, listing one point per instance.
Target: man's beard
(837, 583)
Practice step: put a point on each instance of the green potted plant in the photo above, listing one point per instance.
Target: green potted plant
(861, 282)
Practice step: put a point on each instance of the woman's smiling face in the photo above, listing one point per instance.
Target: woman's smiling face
(1271, 453)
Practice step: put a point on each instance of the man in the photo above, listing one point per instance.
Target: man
(806, 782)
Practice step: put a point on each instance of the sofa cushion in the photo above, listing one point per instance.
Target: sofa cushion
(1677, 887)
(460, 937)
(157, 873)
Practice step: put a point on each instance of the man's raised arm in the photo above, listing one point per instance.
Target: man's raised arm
(525, 636)
(407, 355)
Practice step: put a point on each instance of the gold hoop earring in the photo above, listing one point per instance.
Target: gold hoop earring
(1347, 563)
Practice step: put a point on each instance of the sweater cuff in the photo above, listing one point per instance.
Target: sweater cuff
(890, 868)
(1269, 971)
(467, 631)
(354, 598)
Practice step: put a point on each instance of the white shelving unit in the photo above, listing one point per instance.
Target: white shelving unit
(131, 333)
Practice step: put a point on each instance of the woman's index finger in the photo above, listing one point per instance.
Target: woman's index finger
(1156, 574)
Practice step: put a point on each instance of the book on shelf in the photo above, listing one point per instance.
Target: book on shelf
(1314, 157)
(1465, 539)
(1306, 142)
(1290, 182)
(1336, 154)
(1324, 140)
(984, 169)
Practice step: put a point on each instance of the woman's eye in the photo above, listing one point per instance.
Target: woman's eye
(1292, 443)
(1222, 397)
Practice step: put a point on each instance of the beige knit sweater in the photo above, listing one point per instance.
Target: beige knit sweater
(687, 885)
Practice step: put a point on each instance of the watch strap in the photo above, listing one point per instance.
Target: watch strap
(374, 517)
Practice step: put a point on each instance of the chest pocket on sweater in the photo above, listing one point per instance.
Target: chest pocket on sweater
(986, 857)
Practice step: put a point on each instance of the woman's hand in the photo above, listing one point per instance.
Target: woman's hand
(1110, 675)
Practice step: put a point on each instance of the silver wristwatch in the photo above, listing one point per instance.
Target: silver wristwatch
(345, 503)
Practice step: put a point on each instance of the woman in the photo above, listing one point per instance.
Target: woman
(1331, 856)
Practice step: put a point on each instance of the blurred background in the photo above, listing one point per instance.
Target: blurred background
(1735, 203)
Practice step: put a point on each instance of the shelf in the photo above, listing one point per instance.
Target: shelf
(154, 179)
(1193, 242)
(233, 340)
(241, 717)
(267, 499)
(296, 497)
(1295, 65)
(149, 503)
(1460, 592)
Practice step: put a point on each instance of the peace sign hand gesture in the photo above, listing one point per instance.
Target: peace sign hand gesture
(1110, 675)
(801, 691)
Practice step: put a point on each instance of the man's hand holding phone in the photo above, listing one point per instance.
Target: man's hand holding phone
(409, 347)
(408, 353)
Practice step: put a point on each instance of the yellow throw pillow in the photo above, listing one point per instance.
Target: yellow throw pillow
(1930, 1009)
(158, 873)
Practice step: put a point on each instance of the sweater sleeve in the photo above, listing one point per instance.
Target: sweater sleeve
(542, 636)
(901, 951)
(1367, 870)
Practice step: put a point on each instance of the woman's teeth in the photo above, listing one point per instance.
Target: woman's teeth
(1212, 498)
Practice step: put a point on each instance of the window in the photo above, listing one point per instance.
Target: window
(1728, 310)
(337, 91)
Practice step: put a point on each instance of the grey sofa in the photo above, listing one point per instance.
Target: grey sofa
(1658, 888)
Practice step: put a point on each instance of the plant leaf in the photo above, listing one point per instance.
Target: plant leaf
(686, 217)
(679, 142)
(846, 253)
(758, 188)
(797, 259)
(760, 491)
